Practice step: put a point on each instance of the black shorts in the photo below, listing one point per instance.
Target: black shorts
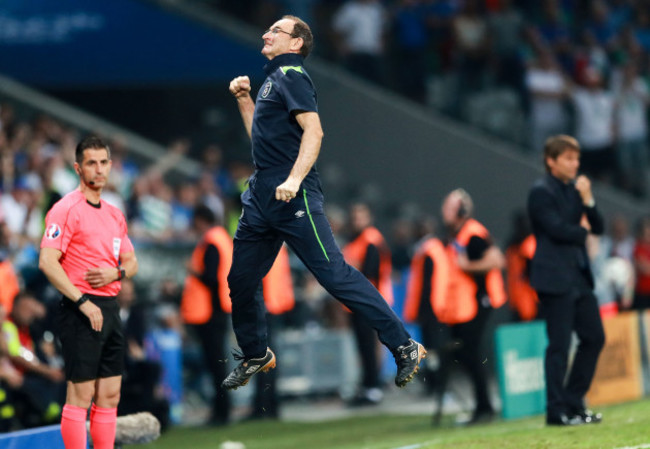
(89, 354)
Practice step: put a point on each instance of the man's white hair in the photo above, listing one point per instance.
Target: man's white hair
(465, 199)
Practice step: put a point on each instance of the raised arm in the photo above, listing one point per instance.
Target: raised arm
(307, 155)
(492, 259)
(240, 87)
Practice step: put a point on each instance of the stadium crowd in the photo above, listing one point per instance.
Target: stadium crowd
(36, 154)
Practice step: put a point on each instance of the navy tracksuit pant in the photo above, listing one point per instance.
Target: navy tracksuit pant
(266, 223)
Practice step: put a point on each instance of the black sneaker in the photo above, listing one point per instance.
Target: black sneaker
(245, 370)
(590, 417)
(408, 358)
(564, 420)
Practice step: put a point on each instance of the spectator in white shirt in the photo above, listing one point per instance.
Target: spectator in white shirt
(594, 125)
(548, 89)
(359, 26)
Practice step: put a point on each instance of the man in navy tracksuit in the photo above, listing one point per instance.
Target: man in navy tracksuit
(284, 202)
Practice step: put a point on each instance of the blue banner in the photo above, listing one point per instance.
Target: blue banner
(49, 437)
(130, 43)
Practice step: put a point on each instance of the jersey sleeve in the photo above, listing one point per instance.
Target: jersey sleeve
(298, 92)
(127, 245)
(59, 228)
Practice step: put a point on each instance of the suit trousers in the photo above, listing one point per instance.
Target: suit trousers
(576, 310)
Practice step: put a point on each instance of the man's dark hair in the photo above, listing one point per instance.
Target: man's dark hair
(203, 212)
(90, 143)
(556, 145)
(302, 30)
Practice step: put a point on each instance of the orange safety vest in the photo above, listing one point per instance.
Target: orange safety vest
(9, 286)
(523, 297)
(435, 250)
(460, 304)
(278, 286)
(355, 253)
(196, 303)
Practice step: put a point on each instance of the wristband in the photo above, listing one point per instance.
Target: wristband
(121, 273)
(81, 300)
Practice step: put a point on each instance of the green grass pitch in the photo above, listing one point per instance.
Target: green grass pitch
(625, 426)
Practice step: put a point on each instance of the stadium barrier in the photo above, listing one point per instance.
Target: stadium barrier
(316, 362)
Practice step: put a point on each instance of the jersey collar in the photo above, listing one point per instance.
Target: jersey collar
(282, 60)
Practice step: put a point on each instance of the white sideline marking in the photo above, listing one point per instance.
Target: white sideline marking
(419, 445)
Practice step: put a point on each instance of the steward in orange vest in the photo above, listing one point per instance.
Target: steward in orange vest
(277, 285)
(206, 287)
(428, 282)
(368, 253)
(475, 277)
(205, 303)
(9, 285)
(523, 297)
(475, 287)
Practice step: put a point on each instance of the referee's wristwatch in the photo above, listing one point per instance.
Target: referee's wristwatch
(81, 300)
(121, 273)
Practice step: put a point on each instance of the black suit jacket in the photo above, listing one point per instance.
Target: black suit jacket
(555, 210)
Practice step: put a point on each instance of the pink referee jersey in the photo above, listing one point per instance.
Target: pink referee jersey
(88, 236)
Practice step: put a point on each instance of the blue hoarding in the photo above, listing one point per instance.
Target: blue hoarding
(88, 44)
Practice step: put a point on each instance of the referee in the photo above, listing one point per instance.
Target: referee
(85, 252)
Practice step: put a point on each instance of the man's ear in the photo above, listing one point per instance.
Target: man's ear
(297, 43)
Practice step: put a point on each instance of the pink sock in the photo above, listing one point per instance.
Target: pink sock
(102, 427)
(73, 427)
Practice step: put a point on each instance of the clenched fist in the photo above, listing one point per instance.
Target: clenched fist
(240, 86)
(583, 186)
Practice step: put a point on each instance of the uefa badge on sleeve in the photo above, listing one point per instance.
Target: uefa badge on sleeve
(53, 231)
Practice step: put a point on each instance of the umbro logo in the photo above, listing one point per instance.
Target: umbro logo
(300, 214)
(414, 354)
(252, 369)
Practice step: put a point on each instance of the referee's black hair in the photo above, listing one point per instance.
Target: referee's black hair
(90, 143)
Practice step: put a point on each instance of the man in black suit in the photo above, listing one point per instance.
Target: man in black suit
(562, 212)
